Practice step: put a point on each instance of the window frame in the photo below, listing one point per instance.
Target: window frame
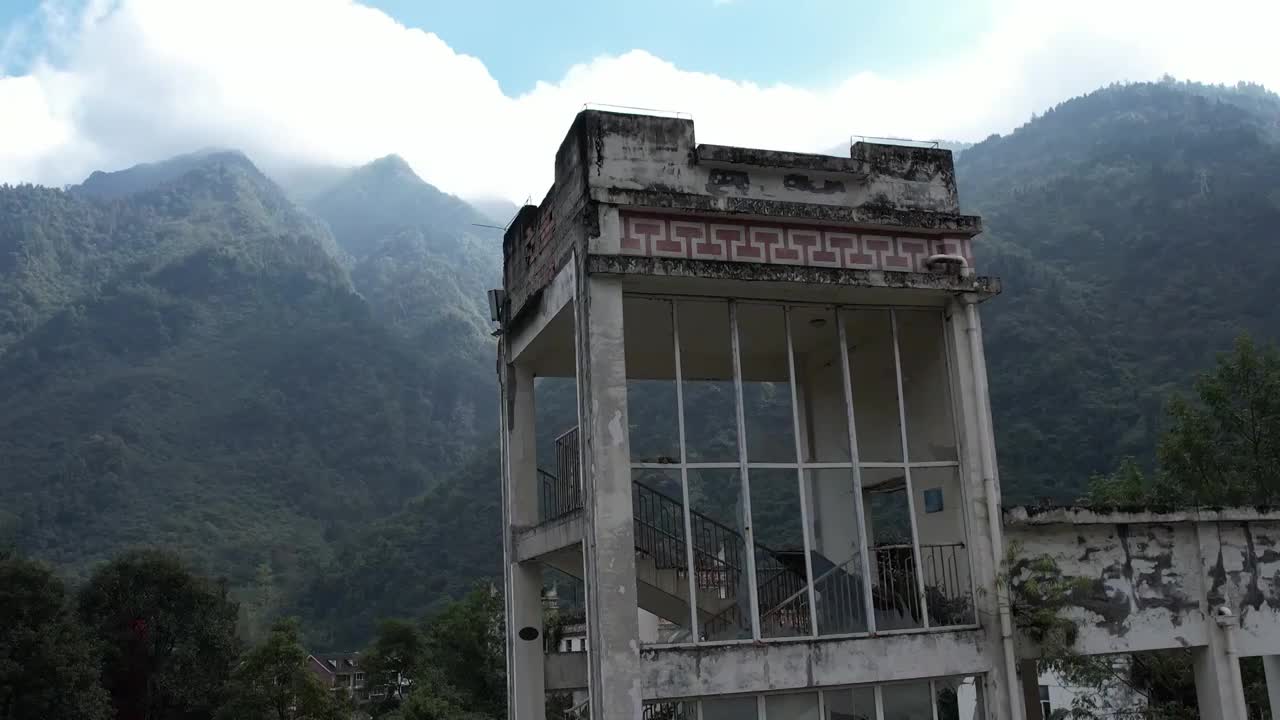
(854, 464)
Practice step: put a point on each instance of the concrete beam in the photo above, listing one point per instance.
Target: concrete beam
(712, 270)
(1071, 515)
(676, 672)
(541, 540)
(554, 298)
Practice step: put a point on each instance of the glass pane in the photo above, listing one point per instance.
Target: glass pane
(706, 364)
(651, 380)
(894, 592)
(741, 708)
(907, 701)
(766, 385)
(718, 522)
(661, 559)
(798, 706)
(815, 338)
(781, 586)
(926, 387)
(853, 704)
(838, 585)
(944, 557)
(875, 385)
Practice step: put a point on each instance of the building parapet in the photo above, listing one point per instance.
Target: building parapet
(891, 208)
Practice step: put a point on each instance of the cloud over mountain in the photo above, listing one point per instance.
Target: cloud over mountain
(332, 81)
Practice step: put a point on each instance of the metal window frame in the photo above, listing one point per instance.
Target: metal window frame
(854, 465)
(877, 693)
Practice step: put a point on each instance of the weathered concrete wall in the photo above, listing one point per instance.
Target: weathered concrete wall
(1156, 580)
(904, 197)
(768, 667)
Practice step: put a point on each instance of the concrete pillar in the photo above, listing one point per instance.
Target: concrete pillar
(1271, 667)
(1003, 698)
(1219, 687)
(1219, 692)
(1029, 674)
(610, 572)
(523, 580)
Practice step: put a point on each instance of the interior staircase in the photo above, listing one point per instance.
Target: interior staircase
(721, 571)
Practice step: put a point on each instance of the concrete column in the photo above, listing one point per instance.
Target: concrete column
(1271, 666)
(1219, 687)
(610, 572)
(1003, 697)
(523, 580)
(1030, 677)
(1218, 684)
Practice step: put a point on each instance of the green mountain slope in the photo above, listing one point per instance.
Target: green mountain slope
(189, 365)
(1135, 231)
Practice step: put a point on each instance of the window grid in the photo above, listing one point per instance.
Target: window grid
(805, 526)
(918, 559)
(957, 412)
(744, 465)
(762, 712)
(743, 474)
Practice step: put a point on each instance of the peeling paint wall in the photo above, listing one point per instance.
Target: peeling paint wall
(1155, 582)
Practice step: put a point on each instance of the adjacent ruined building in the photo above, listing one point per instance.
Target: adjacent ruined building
(745, 404)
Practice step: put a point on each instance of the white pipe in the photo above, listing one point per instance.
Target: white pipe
(986, 443)
(948, 258)
(1233, 666)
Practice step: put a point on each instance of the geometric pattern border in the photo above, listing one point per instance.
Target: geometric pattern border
(815, 246)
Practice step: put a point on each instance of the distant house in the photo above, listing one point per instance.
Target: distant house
(341, 672)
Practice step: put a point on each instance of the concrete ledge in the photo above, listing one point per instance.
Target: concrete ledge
(731, 155)
(756, 272)
(867, 217)
(677, 672)
(541, 540)
(1074, 515)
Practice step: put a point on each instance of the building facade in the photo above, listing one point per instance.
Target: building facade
(744, 401)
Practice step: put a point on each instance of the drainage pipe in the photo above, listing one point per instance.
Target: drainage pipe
(986, 444)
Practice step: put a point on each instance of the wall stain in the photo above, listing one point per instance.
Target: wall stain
(796, 181)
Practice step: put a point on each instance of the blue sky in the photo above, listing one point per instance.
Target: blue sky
(802, 42)
(476, 94)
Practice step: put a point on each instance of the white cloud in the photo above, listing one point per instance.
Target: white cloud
(335, 82)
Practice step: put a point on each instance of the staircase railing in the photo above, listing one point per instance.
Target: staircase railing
(782, 595)
(561, 493)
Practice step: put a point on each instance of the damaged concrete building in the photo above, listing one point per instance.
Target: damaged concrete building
(745, 403)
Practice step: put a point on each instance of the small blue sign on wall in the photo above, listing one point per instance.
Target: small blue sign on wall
(933, 500)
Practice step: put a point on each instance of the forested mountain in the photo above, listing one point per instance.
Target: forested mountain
(295, 388)
(1135, 229)
(186, 360)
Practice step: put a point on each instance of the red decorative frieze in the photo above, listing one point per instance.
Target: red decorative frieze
(778, 244)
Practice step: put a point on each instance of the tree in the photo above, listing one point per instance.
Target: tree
(1221, 448)
(168, 636)
(466, 649)
(272, 682)
(461, 674)
(397, 656)
(1224, 448)
(48, 666)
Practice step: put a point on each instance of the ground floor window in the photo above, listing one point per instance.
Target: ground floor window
(954, 698)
